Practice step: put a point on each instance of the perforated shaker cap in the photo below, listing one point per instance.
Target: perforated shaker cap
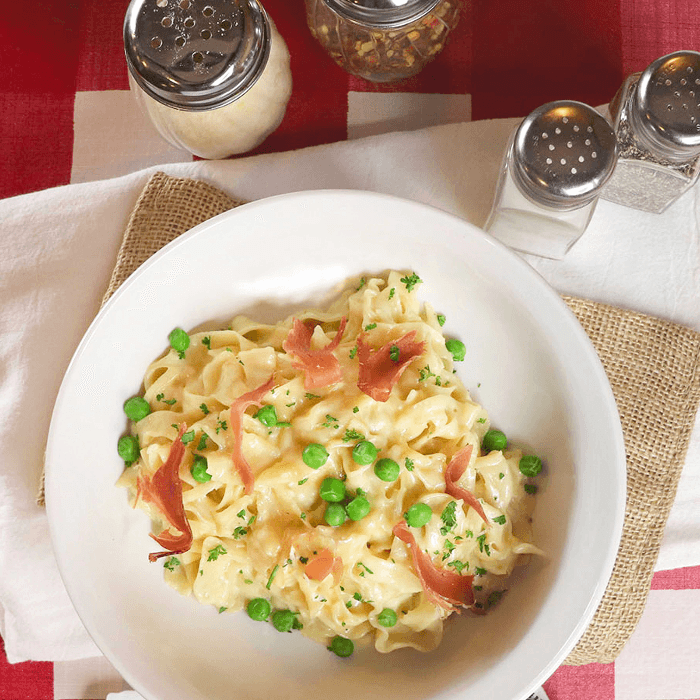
(196, 54)
(666, 110)
(383, 14)
(563, 153)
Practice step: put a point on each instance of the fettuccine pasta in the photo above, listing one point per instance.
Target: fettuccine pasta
(329, 473)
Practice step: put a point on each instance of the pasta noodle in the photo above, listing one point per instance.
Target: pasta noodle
(378, 575)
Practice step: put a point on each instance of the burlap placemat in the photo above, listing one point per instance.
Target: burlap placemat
(653, 367)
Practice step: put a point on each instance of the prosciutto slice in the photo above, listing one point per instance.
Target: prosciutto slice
(379, 371)
(164, 490)
(321, 367)
(238, 407)
(322, 564)
(448, 589)
(454, 472)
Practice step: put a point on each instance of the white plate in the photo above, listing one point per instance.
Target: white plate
(528, 361)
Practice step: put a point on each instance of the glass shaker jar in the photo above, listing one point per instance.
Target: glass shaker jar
(656, 116)
(382, 40)
(212, 75)
(556, 163)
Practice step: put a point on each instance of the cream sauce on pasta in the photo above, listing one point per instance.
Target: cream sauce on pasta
(254, 545)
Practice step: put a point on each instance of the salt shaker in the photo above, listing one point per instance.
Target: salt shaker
(212, 75)
(656, 116)
(382, 40)
(555, 165)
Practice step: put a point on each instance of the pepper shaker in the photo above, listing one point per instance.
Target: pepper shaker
(555, 165)
(212, 75)
(656, 117)
(382, 40)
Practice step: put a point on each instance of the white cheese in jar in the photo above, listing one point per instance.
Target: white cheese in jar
(205, 128)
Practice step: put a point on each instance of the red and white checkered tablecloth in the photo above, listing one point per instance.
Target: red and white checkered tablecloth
(66, 116)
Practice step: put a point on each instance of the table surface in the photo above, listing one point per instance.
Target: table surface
(66, 116)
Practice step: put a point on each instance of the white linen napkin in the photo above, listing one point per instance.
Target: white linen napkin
(58, 248)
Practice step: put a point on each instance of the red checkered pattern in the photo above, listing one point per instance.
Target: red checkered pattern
(508, 56)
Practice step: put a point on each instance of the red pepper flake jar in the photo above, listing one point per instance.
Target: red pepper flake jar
(382, 40)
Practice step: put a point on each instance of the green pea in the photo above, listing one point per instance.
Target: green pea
(358, 508)
(136, 408)
(335, 514)
(418, 514)
(364, 452)
(199, 469)
(128, 448)
(494, 440)
(179, 340)
(530, 465)
(332, 490)
(457, 349)
(387, 470)
(258, 609)
(267, 415)
(341, 647)
(314, 455)
(282, 620)
(387, 618)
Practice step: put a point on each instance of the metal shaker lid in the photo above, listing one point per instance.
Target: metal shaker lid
(196, 54)
(384, 14)
(666, 108)
(562, 154)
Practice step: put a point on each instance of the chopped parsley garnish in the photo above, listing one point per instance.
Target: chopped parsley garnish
(369, 571)
(221, 425)
(394, 353)
(363, 282)
(448, 517)
(331, 422)
(501, 475)
(222, 609)
(481, 420)
(479, 571)
(411, 281)
(311, 396)
(425, 373)
(303, 560)
(530, 488)
(272, 576)
(458, 565)
(441, 319)
(449, 546)
(351, 434)
(501, 520)
(241, 513)
(216, 552)
(239, 532)
(170, 402)
(392, 291)
(370, 326)
(481, 539)
(171, 563)
(353, 352)
(187, 437)
(355, 409)
(202, 441)
(408, 464)
(494, 597)
(206, 341)
(204, 408)
(302, 481)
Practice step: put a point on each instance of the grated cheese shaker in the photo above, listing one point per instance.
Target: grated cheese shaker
(556, 163)
(212, 75)
(656, 116)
